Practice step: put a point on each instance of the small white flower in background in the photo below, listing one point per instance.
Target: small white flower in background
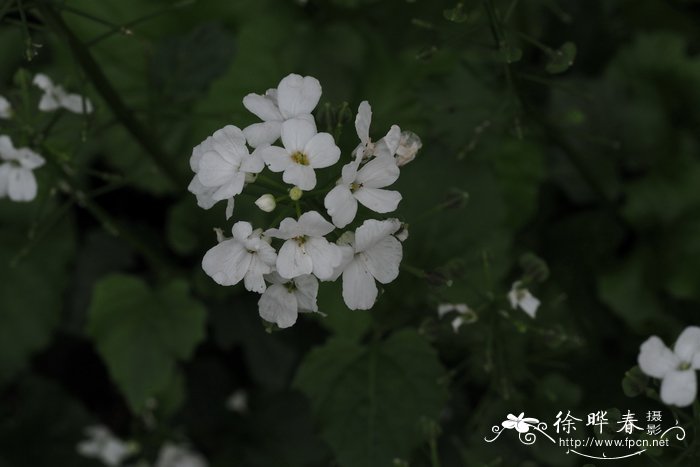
(173, 455)
(386, 146)
(371, 253)
(366, 186)
(246, 256)
(56, 97)
(284, 299)
(222, 163)
(104, 446)
(238, 401)
(295, 97)
(17, 180)
(305, 250)
(675, 368)
(409, 145)
(266, 203)
(520, 297)
(465, 314)
(304, 150)
(5, 108)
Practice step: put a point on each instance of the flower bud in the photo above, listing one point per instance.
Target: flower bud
(409, 145)
(266, 203)
(295, 193)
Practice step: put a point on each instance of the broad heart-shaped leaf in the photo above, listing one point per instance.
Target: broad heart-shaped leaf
(371, 400)
(141, 334)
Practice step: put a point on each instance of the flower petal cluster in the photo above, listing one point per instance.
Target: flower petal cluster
(520, 297)
(102, 445)
(55, 97)
(675, 368)
(287, 262)
(17, 165)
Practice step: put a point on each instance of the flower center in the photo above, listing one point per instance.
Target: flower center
(290, 286)
(300, 240)
(684, 366)
(300, 158)
(355, 186)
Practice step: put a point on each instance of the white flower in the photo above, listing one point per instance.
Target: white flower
(409, 145)
(366, 186)
(284, 299)
(371, 253)
(222, 166)
(521, 297)
(675, 368)
(465, 314)
(266, 203)
(304, 150)
(246, 256)
(172, 455)
(17, 179)
(56, 97)
(104, 446)
(386, 146)
(5, 108)
(295, 97)
(305, 250)
(521, 423)
(238, 401)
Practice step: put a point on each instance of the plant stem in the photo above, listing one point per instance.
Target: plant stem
(109, 94)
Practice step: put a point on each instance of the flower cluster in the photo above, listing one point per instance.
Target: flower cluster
(285, 263)
(675, 368)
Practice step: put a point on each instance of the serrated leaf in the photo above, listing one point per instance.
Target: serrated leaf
(141, 334)
(370, 401)
(561, 59)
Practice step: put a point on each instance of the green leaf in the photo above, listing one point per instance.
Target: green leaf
(141, 334)
(371, 400)
(561, 59)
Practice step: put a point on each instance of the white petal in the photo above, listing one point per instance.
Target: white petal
(29, 159)
(276, 158)
(378, 173)
(292, 260)
(322, 151)
(253, 163)
(5, 108)
(359, 290)
(289, 228)
(7, 149)
(229, 141)
(262, 107)
(254, 281)
(231, 188)
(227, 262)
(383, 259)
(278, 305)
(371, 231)
(387, 146)
(297, 95)
(230, 203)
(215, 170)
(296, 133)
(349, 171)
(679, 388)
(76, 103)
(313, 224)
(48, 103)
(378, 200)
(528, 303)
(306, 292)
(363, 120)
(261, 134)
(241, 230)
(341, 205)
(655, 359)
(347, 255)
(43, 82)
(4, 178)
(21, 185)
(302, 176)
(688, 344)
(198, 151)
(324, 255)
(204, 194)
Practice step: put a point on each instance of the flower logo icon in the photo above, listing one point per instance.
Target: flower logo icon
(520, 423)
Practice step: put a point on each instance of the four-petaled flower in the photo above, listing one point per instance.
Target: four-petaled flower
(304, 150)
(386, 146)
(371, 253)
(675, 368)
(366, 186)
(247, 256)
(521, 423)
(55, 97)
(17, 180)
(284, 299)
(305, 250)
(295, 97)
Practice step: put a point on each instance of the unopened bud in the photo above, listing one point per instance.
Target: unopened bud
(409, 145)
(402, 233)
(295, 193)
(266, 203)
